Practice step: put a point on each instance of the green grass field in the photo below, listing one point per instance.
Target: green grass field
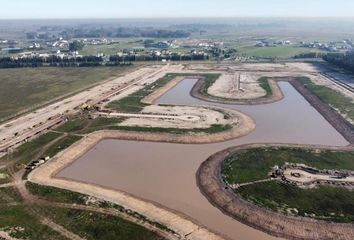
(24, 88)
(16, 218)
(61, 144)
(274, 52)
(27, 151)
(335, 99)
(111, 49)
(255, 164)
(329, 203)
(55, 194)
(94, 226)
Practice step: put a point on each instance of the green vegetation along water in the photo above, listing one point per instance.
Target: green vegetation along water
(325, 202)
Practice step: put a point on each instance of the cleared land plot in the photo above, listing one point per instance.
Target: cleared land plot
(29, 87)
(325, 202)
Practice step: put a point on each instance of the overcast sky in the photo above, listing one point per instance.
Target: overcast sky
(14, 9)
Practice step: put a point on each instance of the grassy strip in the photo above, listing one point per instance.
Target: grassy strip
(327, 203)
(276, 52)
(209, 80)
(61, 145)
(66, 196)
(215, 128)
(5, 176)
(94, 226)
(133, 104)
(17, 220)
(264, 83)
(73, 125)
(332, 97)
(56, 194)
(102, 123)
(26, 152)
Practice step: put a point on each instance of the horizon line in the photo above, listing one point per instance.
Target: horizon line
(169, 17)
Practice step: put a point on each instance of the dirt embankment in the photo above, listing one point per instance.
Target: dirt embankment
(332, 116)
(276, 95)
(45, 175)
(150, 99)
(210, 182)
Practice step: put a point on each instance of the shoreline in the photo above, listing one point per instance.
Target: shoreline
(345, 128)
(151, 98)
(214, 189)
(276, 96)
(211, 185)
(183, 225)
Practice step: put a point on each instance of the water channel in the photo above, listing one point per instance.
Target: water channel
(164, 173)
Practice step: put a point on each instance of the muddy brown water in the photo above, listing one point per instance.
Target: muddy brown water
(165, 173)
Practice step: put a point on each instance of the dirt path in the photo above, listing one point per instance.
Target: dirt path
(210, 182)
(108, 211)
(6, 236)
(254, 182)
(30, 202)
(6, 185)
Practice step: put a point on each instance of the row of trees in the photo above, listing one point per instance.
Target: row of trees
(173, 57)
(8, 62)
(92, 61)
(123, 32)
(345, 61)
(309, 55)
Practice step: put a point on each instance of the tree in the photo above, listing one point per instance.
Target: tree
(76, 46)
(31, 35)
